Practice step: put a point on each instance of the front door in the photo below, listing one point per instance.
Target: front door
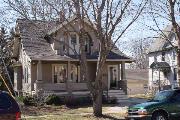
(112, 76)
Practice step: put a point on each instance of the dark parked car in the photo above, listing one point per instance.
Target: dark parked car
(164, 106)
(9, 109)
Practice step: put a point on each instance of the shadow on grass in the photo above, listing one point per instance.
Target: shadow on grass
(89, 105)
(111, 117)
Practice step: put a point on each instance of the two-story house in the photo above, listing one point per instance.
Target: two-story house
(48, 66)
(163, 61)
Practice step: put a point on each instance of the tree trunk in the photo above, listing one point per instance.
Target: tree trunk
(177, 31)
(178, 63)
(97, 103)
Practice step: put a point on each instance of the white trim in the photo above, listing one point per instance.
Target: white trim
(53, 71)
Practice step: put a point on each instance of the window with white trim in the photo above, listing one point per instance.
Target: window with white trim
(59, 73)
(74, 73)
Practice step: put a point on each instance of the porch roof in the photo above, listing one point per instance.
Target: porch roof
(160, 65)
(95, 55)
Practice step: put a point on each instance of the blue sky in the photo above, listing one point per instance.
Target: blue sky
(138, 30)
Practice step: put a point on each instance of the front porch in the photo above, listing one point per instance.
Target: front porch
(63, 78)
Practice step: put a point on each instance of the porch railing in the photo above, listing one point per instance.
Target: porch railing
(60, 87)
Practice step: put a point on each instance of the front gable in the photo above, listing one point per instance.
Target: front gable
(68, 34)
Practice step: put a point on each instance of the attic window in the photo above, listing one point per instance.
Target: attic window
(73, 39)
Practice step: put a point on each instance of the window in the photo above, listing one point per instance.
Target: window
(175, 73)
(155, 58)
(73, 39)
(60, 73)
(163, 56)
(88, 43)
(176, 97)
(4, 102)
(26, 72)
(74, 73)
(174, 55)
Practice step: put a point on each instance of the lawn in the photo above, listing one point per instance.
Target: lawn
(110, 112)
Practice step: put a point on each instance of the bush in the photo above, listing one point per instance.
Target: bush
(76, 101)
(53, 100)
(28, 100)
(20, 98)
(109, 100)
(113, 100)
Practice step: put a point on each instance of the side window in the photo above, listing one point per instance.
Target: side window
(177, 96)
(4, 102)
(163, 56)
(174, 55)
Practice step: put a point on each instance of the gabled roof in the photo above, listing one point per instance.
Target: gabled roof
(32, 35)
(32, 38)
(74, 18)
(161, 43)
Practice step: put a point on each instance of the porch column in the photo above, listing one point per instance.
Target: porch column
(119, 72)
(39, 70)
(123, 74)
(123, 77)
(38, 86)
(69, 71)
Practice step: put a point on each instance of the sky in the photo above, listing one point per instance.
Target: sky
(139, 30)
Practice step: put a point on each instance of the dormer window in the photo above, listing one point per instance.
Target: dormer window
(73, 39)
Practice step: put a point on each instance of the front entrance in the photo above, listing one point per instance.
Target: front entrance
(112, 76)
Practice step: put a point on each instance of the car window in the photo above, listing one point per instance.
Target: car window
(176, 97)
(163, 95)
(4, 101)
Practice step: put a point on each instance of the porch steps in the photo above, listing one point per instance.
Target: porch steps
(119, 95)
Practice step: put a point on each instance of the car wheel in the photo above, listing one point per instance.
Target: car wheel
(159, 116)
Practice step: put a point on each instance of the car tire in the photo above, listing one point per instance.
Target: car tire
(159, 116)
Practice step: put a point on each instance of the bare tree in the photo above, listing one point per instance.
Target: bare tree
(5, 56)
(167, 11)
(138, 51)
(110, 20)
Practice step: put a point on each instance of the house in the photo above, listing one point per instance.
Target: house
(48, 66)
(163, 61)
(137, 81)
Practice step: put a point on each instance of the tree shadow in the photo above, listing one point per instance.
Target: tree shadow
(111, 117)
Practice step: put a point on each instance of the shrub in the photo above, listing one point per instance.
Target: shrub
(53, 100)
(109, 100)
(76, 101)
(20, 98)
(28, 100)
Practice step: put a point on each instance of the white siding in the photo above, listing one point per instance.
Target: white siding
(167, 80)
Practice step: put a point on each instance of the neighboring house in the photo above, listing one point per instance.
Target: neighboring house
(47, 66)
(163, 62)
(137, 81)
